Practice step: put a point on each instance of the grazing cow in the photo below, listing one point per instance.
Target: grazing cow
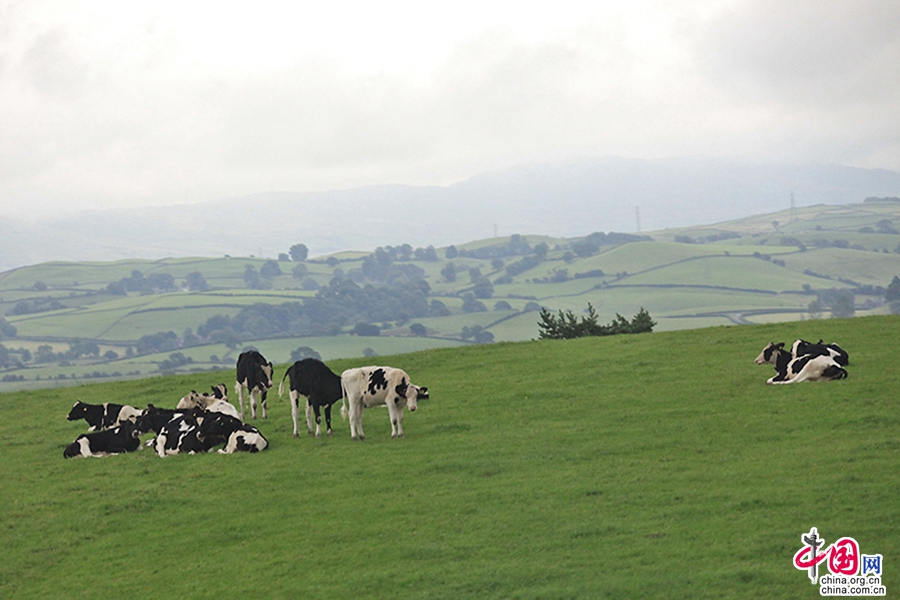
(103, 416)
(804, 348)
(803, 368)
(365, 387)
(255, 374)
(312, 378)
(217, 402)
(237, 436)
(123, 438)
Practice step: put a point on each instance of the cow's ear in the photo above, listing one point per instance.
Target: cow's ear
(780, 345)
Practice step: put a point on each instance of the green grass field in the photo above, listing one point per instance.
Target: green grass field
(649, 466)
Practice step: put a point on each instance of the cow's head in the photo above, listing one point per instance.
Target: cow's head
(769, 353)
(268, 369)
(220, 391)
(79, 410)
(412, 393)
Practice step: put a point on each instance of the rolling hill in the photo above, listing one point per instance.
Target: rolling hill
(72, 323)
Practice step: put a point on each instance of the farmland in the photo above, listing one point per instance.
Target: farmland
(77, 321)
(655, 466)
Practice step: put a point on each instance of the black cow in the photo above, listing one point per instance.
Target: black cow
(804, 348)
(123, 438)
(255, 374)
(238, 436)
(312, 378)
(103, 416)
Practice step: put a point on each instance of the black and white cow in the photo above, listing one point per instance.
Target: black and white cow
(103, 416)
(237, 436)
(365, 387)
(117, 440)
(803, 368)
(215, 402)
(320, 385)
(804, 348)
(154, 419)
(255, 374)
(183, 434)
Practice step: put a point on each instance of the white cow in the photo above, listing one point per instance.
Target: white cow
(365, 387)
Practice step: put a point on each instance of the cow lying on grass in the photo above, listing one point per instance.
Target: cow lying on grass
(197, 430)
(123, 438)
(215, 402)
(103, 416)
(366, 387)
(790, 369)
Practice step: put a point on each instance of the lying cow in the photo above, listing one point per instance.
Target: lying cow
(103, 416)
(217, 402)
(123, 438)
(154, 419)
(255, 374)
(237, 436)
(312, 378)
(804, 348)
(182, 435)
(803, 368)
(365, 387)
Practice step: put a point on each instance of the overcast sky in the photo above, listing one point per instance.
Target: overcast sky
(117, 103)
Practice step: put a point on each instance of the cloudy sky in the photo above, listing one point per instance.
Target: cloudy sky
(107, 104)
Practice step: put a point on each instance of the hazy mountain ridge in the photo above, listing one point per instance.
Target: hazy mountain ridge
(565, 199)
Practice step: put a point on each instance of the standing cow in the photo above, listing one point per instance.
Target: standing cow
(312, 378)
(255, 374)
(365, 387)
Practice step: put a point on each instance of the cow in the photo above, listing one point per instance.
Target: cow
(255, 374)
(103, 416)
(154, 419)
(106, 442)
(804, 348)
(182, 434)
(237, 436)
(365, 387)
(217, 402)
(321, 386)
(803, 368)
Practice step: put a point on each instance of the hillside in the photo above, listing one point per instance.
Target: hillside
(646, 466)
(77, 321)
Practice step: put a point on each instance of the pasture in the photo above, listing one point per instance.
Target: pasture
(651, 466)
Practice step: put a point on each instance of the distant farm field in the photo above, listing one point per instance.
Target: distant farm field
(649, 466)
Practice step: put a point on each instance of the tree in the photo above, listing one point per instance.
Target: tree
(567, 326)
(196, 282)
(270, 270)
(451, 252)
(483, 288)
(299, 272)
(815, 309)
(299, 252)
(304, 352)
(418, 329)
(843, 305)
(366, 330)
(7, 330)
(449, 272)
(893, 290)
(471, 305)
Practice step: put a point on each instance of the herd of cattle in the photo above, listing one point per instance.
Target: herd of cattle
(200, 422)
(805, 362)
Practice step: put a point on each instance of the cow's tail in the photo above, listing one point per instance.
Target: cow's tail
(281, 385)
(343, 400)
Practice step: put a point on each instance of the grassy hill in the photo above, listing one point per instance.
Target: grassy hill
(651, 466)
(765, 268)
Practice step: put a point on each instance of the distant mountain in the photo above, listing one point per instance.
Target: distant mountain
(565, 199)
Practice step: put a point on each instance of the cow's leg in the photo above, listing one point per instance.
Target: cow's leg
(392, 413)
(252, 394)
(295, 410)
(356, 409)
(328, 419)
(263, 394)
(318, 420)
(309, 417)
(239, 390)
